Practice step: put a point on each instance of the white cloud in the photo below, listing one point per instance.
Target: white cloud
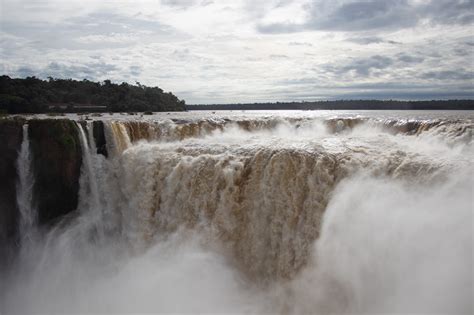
(215, 51)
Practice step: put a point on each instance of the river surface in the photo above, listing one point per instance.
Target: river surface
(257, 212)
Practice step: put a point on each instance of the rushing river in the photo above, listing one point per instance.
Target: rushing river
(275, 212)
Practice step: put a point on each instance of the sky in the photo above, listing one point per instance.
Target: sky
(230, 51)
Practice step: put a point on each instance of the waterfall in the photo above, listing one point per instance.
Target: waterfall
(90, 134)
(99, 194)
(275, 215)
(89, 192)
(28, 216)
(118, 139)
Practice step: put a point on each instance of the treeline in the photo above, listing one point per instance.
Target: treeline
(345, 104)
(32, 95)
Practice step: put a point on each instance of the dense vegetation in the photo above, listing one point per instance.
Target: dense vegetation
(32, 95)
(344, 104)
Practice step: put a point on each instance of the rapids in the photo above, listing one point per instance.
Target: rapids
(281, 213)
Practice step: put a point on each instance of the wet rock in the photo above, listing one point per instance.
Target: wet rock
(11, 134)
(57, 160)
(99, 137)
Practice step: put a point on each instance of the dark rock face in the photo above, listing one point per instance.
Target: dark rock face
(99, 137)
(11, 134)
(57, 159)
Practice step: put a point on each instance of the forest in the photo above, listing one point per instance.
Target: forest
(33, 95)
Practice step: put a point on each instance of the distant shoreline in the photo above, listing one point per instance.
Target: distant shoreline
(345, 105)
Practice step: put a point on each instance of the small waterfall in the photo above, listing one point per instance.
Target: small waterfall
(25, 188)
(99, 193)
(118, 139)
(89, 192)
(90, 134)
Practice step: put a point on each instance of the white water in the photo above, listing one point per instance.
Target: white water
(228, 222)
(89, 191)
(28, 216)
(97, 194)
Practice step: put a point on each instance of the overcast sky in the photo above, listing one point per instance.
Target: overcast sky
(208, 51)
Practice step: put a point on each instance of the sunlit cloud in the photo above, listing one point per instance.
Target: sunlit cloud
(244, 51)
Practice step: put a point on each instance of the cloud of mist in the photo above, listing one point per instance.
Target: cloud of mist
(385, 247)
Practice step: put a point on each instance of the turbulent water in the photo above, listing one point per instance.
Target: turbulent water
(25, 189)
(262, 212)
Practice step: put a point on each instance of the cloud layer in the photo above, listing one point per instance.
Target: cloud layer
(249, 51)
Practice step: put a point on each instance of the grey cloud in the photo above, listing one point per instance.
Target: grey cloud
(186, 3)
(363, 66)
(463, 52)
(276, 56)
(181, 54)
(366, 66)
(253, 59)
(403, 57)
(386, 86)
(278, 28)
(94, 31)
(351, 16)
(101, 22)
(187, 55)
(178, 3)
(300, 81)
(424, 67)
(209, 67)
(92, 71)
(384, 90)
(300, 44)
(455, 75)
(371, 40)
(370, 15)
(449, 12)
(135, 70)
(329, 92)
(88, 70)
(366, 15)
(25, 72)
(430, 94)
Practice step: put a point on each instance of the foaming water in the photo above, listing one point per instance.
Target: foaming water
(25, 188)
(276, 216)
(89, 192)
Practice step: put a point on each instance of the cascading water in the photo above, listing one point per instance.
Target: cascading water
(117, 137)
(89, 192)
(280, 215)
(28, 216)
(97, 195)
